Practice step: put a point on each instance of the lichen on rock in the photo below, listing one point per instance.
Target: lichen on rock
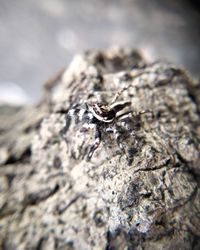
(52, 198)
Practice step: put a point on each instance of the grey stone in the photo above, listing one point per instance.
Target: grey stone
(52, 198)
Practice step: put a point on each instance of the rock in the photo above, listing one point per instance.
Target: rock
(51, 197)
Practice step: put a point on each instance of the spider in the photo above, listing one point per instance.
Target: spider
(106, 118)
(102, 118)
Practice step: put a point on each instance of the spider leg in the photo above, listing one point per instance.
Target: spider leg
(125, 115)
(131, 113)
(128, 86)
(142, 112)
(97, 141)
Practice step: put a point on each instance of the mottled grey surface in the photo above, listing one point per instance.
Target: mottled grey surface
(52, 198)
(37, 37)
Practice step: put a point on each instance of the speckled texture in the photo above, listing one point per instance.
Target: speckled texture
(51, 198)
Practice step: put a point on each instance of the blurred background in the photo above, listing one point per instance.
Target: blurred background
(39, 37)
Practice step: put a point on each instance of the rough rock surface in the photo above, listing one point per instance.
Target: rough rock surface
(52, 198)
